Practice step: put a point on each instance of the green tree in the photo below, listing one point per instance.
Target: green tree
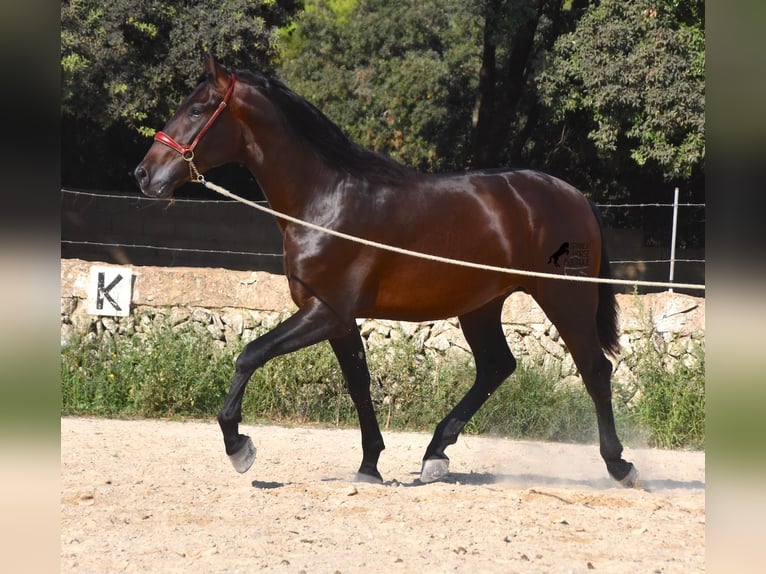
(508, 115)
(398, 77)
(437, 85)
(127, 64)
(629, 82)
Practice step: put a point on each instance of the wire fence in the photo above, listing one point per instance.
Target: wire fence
(137, 200)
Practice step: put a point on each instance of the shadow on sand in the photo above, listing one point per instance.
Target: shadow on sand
(528, 480)
(520, 480)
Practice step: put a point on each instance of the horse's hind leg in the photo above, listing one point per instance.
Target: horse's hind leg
(572, 308)
(350, 353)
(494, 363)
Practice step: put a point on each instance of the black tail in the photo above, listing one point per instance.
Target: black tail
(606, 314)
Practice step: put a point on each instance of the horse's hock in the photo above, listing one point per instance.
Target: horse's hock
(233, 305)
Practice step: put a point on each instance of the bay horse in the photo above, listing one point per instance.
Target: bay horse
(308, 168)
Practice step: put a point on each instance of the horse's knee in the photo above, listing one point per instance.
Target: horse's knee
(248, 360)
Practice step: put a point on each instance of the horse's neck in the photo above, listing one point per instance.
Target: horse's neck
(289, 177)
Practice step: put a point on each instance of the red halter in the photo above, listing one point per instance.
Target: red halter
(187, 151)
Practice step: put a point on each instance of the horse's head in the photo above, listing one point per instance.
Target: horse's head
(197, 138)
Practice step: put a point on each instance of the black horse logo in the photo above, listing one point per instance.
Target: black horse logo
(563, 250)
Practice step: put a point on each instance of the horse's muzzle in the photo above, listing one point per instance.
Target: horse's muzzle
(150, 188)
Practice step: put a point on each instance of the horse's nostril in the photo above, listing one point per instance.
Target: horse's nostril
(141, 175)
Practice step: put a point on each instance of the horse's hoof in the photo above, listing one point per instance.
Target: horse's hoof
(434, 469)
(631, 479)
(243, 459)
(368, 472)
(368, 478)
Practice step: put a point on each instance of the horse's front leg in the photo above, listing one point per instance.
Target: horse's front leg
(313, 323)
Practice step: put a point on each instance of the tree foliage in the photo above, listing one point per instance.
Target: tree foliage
(436, 84)
(127, 64)
(398, 77)
(636, 71)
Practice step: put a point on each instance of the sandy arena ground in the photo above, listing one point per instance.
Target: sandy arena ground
(155, 496)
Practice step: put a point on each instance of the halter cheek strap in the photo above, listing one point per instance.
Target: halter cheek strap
(187, 151)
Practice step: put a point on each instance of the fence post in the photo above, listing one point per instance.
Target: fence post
(673, 239)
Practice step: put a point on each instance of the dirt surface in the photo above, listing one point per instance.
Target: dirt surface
(155, 496)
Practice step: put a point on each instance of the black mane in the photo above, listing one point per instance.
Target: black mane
(324, 137)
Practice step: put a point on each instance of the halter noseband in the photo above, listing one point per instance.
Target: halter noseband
(187, 151)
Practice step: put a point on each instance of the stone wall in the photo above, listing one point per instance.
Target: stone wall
(235, 305)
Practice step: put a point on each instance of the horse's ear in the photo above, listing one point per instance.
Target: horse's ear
(218, 75)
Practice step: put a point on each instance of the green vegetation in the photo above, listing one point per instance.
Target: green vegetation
(671, 405)
(534, 403)
(165, 373)
(181, 372)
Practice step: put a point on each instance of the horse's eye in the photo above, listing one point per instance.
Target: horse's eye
(195, 112)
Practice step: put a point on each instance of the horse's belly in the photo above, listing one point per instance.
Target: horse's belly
(434, 296)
